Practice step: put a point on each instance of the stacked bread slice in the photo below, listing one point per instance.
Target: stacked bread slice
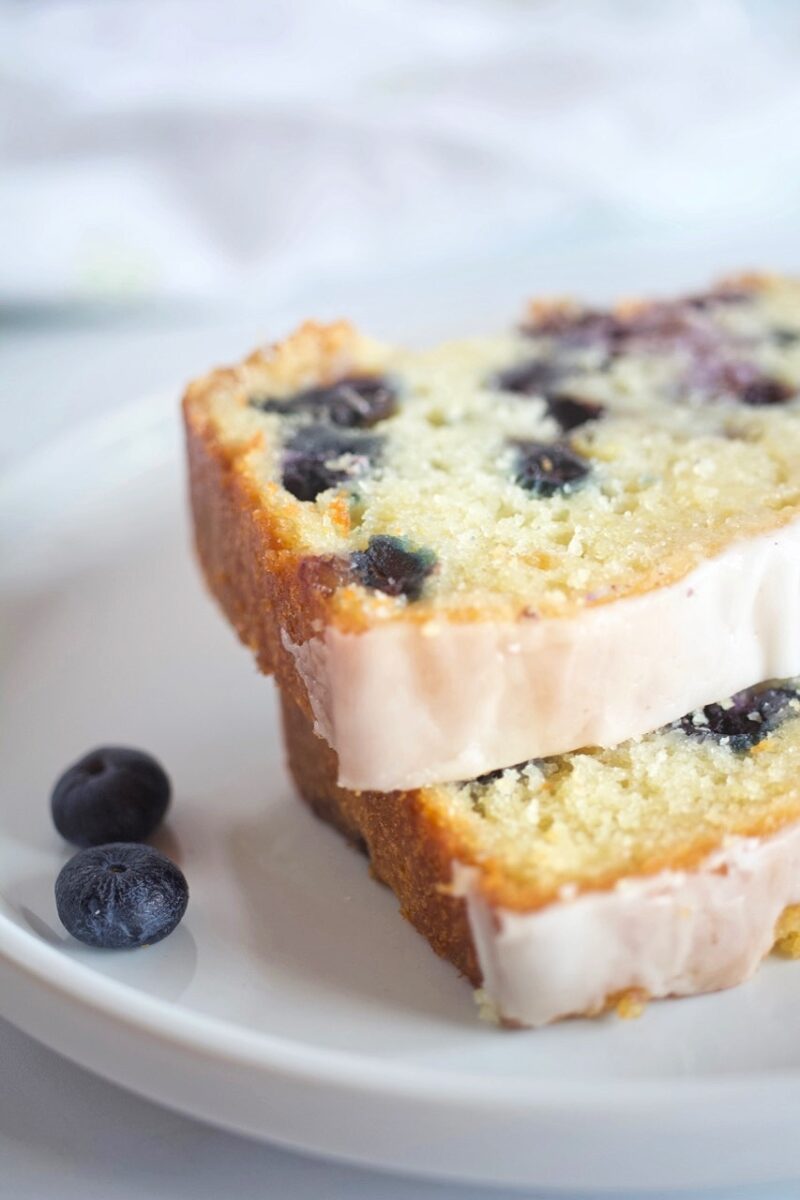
(532, 605)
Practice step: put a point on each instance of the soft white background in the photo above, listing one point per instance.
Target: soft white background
(177, 177)
(177, 149)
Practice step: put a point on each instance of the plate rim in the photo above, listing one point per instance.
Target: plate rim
(233, 1043)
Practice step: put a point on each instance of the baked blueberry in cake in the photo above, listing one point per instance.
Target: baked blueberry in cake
(317, 458)
(452, 558)
(390, 566)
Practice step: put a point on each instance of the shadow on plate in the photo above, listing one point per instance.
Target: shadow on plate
(164, 970)
(314, 911)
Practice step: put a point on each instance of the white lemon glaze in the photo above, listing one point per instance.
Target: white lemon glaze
(676, 933)
(406, 705)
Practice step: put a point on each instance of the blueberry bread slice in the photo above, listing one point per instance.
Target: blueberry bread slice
(510, 547)
(669, 865)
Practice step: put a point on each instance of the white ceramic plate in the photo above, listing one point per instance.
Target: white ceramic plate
(294, 1003)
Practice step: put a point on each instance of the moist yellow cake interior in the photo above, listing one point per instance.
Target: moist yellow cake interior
(675, 476)
(590, 817)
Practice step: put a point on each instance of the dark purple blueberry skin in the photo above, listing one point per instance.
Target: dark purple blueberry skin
(715, 365)
(754, 714)
(112, 794)
(545, 469)
(721, 375)
(766, 391)
(121, 896)
(571, 412)
(310, 457)
(357, 402)
(584, 327)
(658, 322)
(491, 776)
(540, 377)
(389, 566)
(724, 294)
(534, 377)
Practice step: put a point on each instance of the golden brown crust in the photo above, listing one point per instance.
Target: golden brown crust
(314, 354)
(262, 588)
(408, 848)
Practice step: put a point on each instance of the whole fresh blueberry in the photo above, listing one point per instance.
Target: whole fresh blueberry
(389, 565)
(121, 896)
(744, 721)
(356, 402)
(546, 469)
(318, 457)
(112, 794)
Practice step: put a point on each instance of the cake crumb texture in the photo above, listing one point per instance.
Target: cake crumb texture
(630, 1004)
(586, 456)
(787, 933)
(662, 801)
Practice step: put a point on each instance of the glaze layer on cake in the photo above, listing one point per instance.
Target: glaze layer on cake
(406, 704)
(676, 933)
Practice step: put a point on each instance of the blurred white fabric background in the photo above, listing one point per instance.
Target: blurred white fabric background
(191, 149)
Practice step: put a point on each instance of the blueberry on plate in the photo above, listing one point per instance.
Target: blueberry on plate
(112, 794)
(121, 896)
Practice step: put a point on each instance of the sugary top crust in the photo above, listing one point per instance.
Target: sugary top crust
(581, 458)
